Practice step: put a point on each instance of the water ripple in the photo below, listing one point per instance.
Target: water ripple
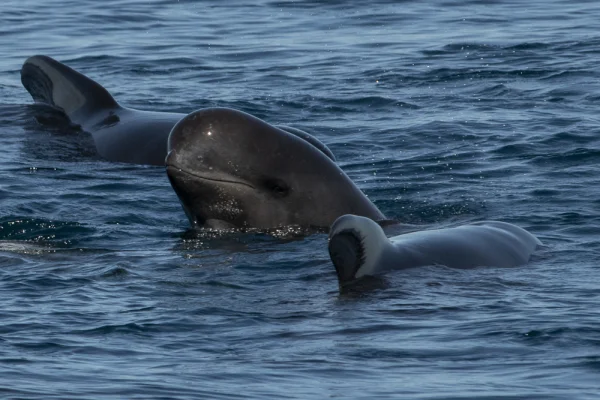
(443, 112)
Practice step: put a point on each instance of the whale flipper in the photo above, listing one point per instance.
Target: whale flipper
(53, 83)
(309, 138)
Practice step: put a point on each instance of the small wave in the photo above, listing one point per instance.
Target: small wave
(39, 235)
(579, 156)
(25, 247)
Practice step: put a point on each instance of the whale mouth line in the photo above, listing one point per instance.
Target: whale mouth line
(178, 170)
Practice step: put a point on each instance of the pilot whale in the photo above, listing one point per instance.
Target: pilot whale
(228, 168)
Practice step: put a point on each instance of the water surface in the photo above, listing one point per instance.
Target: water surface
(442, 112)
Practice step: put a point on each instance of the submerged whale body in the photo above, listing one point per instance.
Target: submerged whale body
(120, 134)
(358, 247)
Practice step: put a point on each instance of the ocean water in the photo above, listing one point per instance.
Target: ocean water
(442, 112)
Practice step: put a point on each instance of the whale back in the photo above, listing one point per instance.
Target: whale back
(57, 85)
(490, 243)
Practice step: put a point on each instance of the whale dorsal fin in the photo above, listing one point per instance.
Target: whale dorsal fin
(51, 82)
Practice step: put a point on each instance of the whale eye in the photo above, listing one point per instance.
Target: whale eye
(277, 187)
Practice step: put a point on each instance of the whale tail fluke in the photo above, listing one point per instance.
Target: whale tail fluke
(55, 84)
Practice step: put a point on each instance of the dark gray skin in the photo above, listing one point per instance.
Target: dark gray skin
(232, 170)
(120, 134)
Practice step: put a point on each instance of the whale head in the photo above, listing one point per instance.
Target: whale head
(355, 246)
(232, 170)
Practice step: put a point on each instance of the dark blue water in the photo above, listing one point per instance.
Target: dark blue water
(442, 112)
